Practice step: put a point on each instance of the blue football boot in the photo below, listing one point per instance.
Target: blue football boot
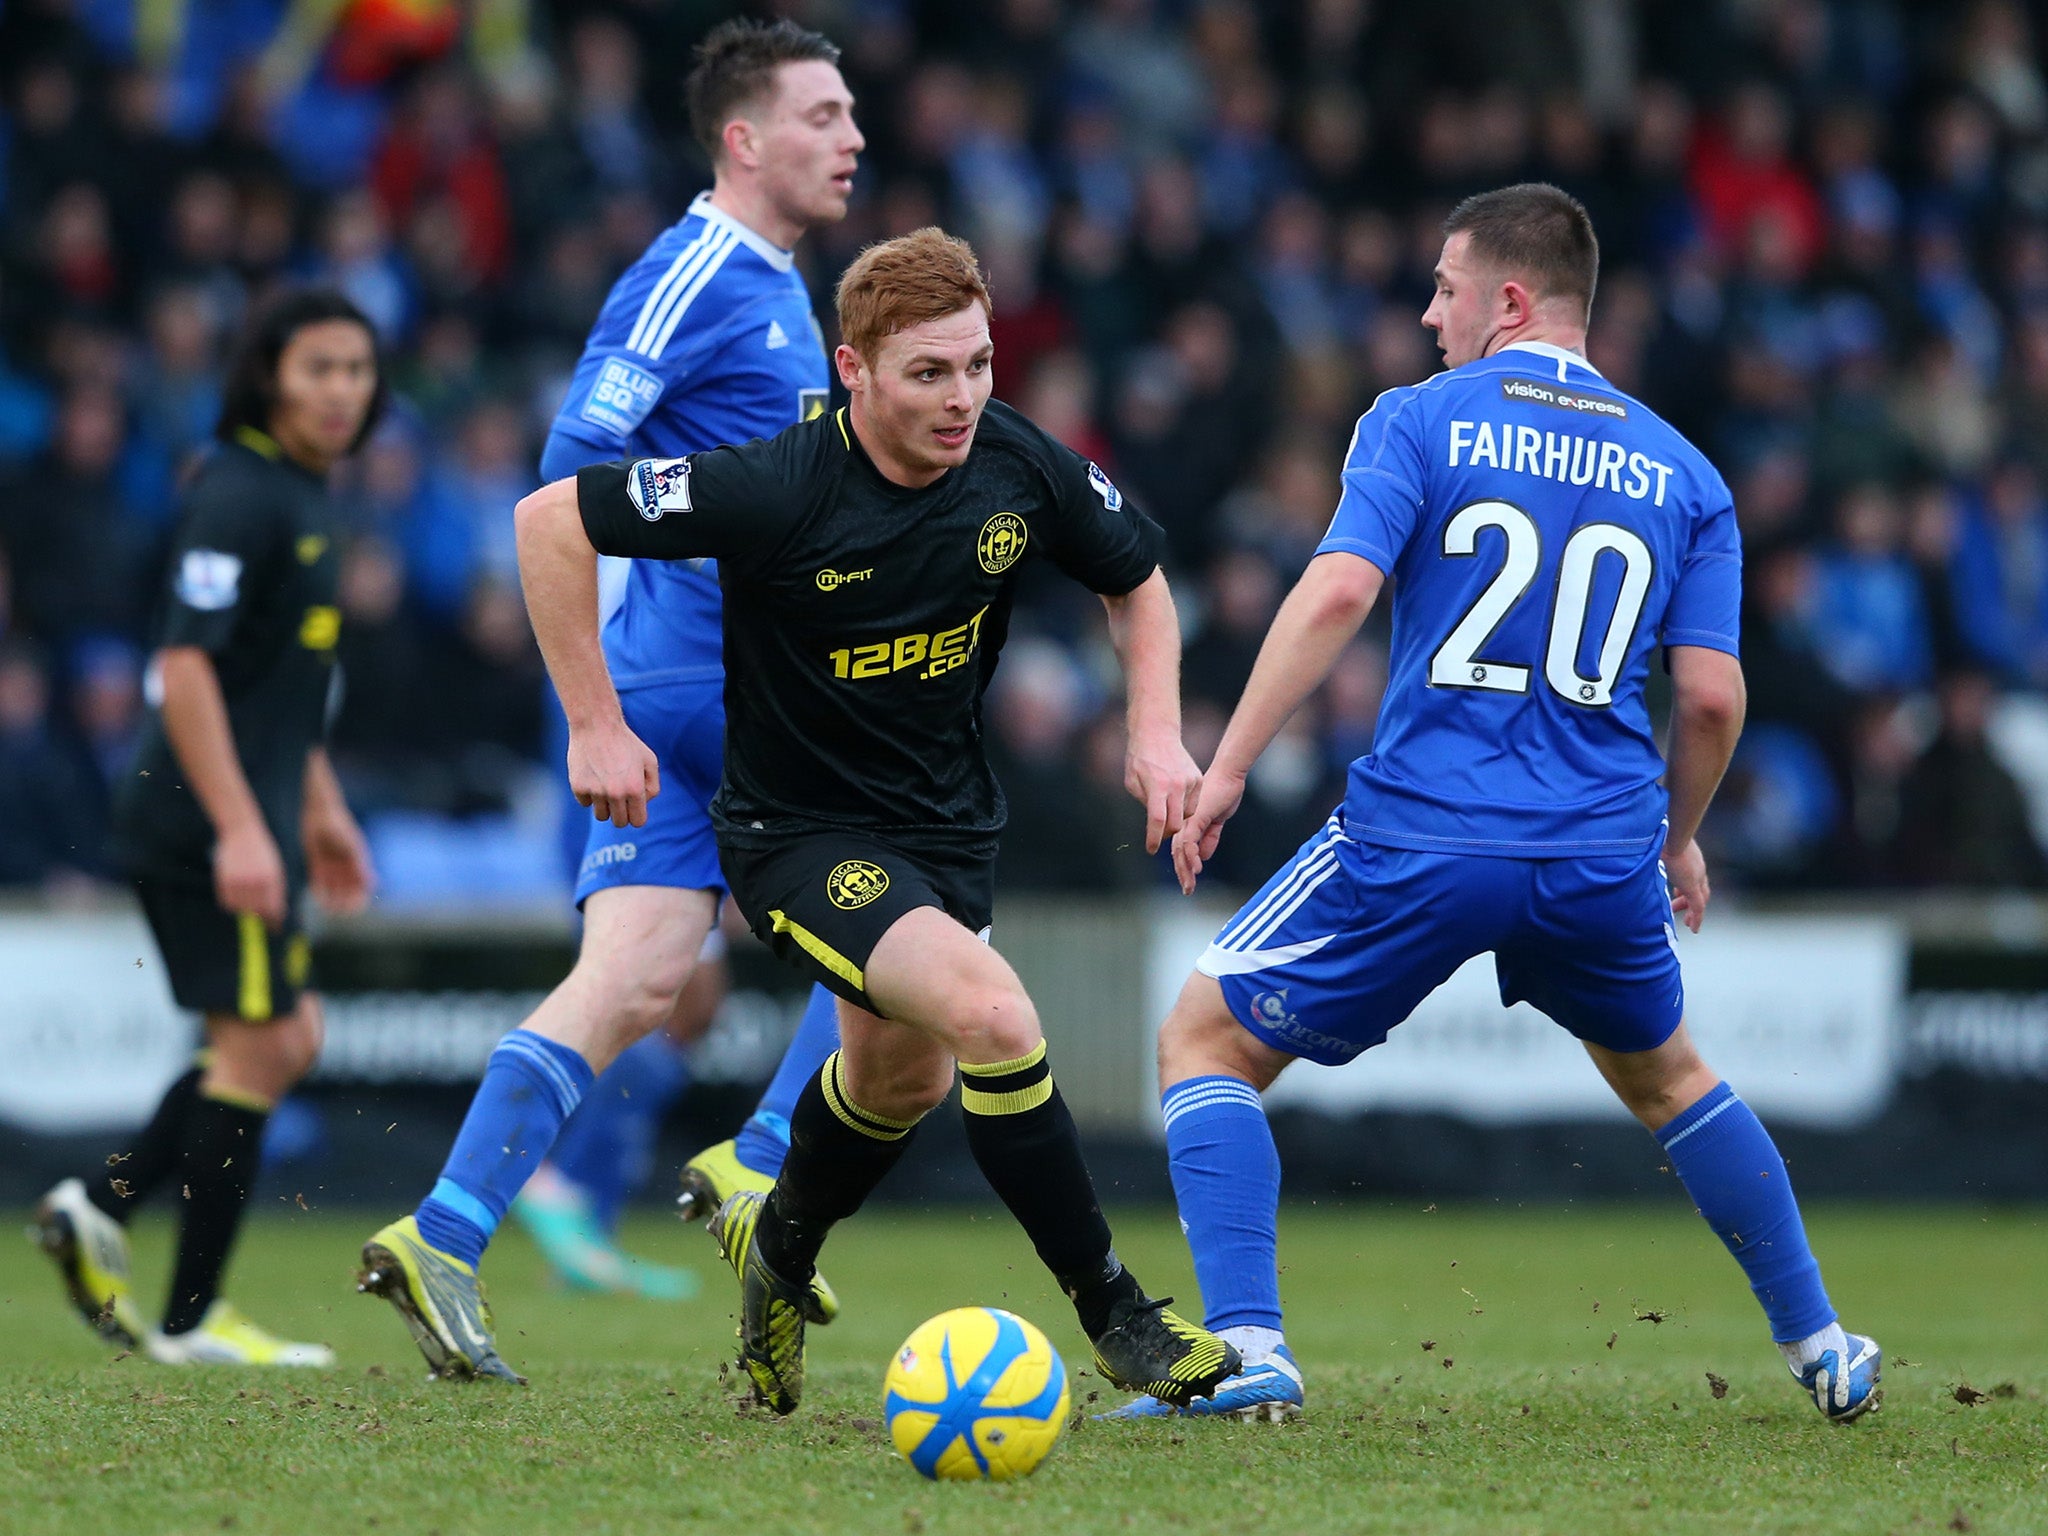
(1268, 1392)
(1844, 1389)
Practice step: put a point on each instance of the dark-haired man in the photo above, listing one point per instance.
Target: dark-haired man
(231, 811)
(709, 338)
(1548, 534)
(869, 560)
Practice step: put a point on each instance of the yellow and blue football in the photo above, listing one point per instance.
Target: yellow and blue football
(975, 1394)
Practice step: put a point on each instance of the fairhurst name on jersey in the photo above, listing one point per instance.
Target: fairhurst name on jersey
(1565, 456)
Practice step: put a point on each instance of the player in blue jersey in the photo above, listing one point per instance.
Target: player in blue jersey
(708, 339)
(1547, 536)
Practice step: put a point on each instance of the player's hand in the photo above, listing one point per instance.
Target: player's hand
(1686, 869)
(612, 771)
(248, 874)
(1215, 803)
(1164, 779)
(338, 863)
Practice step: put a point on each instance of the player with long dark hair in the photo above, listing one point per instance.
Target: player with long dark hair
(231, 812)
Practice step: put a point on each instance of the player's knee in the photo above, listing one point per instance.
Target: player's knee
(1657, 1086)
(1200, 1038)
(301, 1037)
(991, 1022)
(637, 997)
(906, 1090)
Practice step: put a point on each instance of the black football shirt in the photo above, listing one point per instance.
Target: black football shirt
(863, 618)
(252, 582)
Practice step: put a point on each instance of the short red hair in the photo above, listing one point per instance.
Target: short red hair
(924, 275)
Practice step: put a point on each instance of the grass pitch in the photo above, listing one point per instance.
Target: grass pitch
(1470, 1370)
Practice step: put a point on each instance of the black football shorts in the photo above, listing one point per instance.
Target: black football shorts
(225, 962)
(823, 900)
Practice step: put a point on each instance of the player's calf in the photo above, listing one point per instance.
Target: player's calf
(1732, 1170)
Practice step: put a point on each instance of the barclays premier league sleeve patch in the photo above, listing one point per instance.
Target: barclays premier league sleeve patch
(657, 487)
(1112, 498)
(621, 397)
(209, 580)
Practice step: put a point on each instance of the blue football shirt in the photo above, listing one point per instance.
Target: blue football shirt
(707, 339)
(1545, 534)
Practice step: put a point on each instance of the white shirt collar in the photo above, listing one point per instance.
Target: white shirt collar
(1557, 354)
(760, 245)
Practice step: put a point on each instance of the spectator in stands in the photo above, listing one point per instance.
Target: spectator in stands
(1061, 833)
(48, 831)
(1239, 599)
(2000, 574)
(1870, 623)
(106, 708)
(79, 547)
(381, 738)
(492, 466)
(1962, 819)
(177, 385)
(488, 679)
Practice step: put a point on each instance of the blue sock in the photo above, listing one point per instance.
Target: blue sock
(1226, 1180)
(607, 1148)
(763, 1141)
(531, 1085)
(1728, 1164)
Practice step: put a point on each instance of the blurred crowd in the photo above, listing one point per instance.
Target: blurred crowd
(1209, 227)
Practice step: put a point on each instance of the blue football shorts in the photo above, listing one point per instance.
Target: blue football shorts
(1345, 941)
(683, 724)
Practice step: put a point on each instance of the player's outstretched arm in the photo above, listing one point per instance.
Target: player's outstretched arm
(610, 769)
(1708, 703)
(1316, 622)
(1157, 769)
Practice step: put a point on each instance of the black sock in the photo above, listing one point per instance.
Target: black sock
(130, 1176)
(838, 1153)
(223, 1142)
(1024, 1140)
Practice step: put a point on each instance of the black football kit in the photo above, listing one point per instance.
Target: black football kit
(863, 620)
(252, 582)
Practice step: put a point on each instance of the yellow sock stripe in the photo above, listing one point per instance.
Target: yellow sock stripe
(298, 960)
(975, 1102)
(830, 1078)
(241, 1098)
(1006, 1087)
(253, 995)
(1030, 1058)
(838, 1066)
(820, 951)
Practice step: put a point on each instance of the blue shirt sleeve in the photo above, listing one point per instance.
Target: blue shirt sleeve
(1383, 483)
(1706, 605)
(611, 394)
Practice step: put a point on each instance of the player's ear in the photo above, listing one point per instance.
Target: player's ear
(739, 143)
(853, 368)
(1517, 305)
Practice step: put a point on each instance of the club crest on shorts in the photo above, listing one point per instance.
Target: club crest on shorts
(1002, 542)
(659, 486)
(855, 883)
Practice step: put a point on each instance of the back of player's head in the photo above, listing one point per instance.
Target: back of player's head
(1535, 232)
(735, 68)
(249, 398)
(924, 275)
